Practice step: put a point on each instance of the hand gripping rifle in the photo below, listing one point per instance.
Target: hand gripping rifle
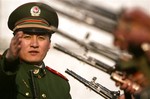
(98, 88)
(111, 70)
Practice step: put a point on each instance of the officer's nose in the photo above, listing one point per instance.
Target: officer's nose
(34, 42)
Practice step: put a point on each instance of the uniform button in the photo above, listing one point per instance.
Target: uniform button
(36, 71)
(44, 95)
(27, 93)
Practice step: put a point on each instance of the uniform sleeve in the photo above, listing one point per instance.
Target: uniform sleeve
(8, 68)
(69, 95)
(7, 78)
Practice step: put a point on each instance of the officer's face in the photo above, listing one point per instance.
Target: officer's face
(34, 48)
(130, 33)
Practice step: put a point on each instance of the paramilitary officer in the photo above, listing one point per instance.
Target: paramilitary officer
(133, 35)
(23, 74)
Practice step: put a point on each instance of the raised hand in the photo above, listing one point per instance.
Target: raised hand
(15, 46)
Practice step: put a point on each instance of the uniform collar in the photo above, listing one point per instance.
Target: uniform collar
(38, 71)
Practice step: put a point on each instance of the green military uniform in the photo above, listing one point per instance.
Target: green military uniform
(145, 94)
(139, 62)
(21, 80)
(15, 82)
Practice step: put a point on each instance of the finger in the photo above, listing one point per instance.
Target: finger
(124, 86)
(121, 96)
(18, 36)
(117, 84)
(17, 39)
(130, 89)
(15, 44)
(124, 76)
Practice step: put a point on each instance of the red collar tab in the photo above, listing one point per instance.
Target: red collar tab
(56, 72)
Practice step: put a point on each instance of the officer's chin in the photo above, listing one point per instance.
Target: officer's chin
(32, 62)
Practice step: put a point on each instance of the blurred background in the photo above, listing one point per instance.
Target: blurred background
(86, 21)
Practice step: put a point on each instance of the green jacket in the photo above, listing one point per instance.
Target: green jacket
(16, 82)
(144, 94)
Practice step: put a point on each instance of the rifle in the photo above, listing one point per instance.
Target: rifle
(93, 46)
(96, 87)
(88, 7)
(111, 70)
(99, 17)
(84, 12)
(113, 54)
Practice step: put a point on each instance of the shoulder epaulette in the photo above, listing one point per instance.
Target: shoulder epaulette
(56, 72)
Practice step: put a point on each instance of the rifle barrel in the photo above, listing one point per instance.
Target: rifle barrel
(80, 14)
(92, 8)
(115, 75)
(98, 88)
(91, 46)
(91, 61)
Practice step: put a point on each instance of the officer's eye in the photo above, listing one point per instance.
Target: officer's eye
(41, 37)
(26, 36)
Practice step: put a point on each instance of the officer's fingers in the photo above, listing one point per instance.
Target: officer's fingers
(17, 37)
(124, 86)
(15, 44)
(130, 89)
(16, 41)
(121, 96)
(125, 76)
(118, 84)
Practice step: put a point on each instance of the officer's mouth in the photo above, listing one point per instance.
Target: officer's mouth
(33, 53)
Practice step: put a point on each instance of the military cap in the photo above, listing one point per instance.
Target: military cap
(136, 14)
(33, 15)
